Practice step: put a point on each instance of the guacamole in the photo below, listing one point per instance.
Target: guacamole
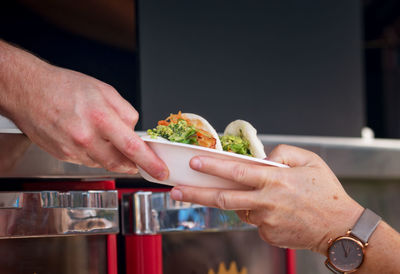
(178, 129)
(235, 144)
(179, 132)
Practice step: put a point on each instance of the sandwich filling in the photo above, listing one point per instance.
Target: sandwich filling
(236, 144)
(177, 128)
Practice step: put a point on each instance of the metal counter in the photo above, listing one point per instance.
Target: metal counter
(53, 213)
(348, 157)
(146, 213)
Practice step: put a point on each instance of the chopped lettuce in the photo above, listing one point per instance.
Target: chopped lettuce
(235, 144)
(182, 132)
(179, 132)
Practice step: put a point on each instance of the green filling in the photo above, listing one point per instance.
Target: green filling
(236, 144)
(179, 132)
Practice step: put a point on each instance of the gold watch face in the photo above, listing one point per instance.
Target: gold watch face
(346, 254)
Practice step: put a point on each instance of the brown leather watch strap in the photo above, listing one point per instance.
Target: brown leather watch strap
(365, 225)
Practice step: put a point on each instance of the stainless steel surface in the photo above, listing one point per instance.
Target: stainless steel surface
(54, 255)
(151, 213)
(143, 213)
(51, 213)
(348, 157)
(19, 158)
(11, 200)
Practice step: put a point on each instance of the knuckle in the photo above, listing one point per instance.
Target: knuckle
(314, 155)
(272, 223)
(221, 200)
(270, 206)
(264, 234)
(276, 180)
(135, 115)
(281, 147)
(268, 235)
(66, 153)
(131, 146)
(133, 118)
(90, 163)
(105, 86)
(112, 165)
(82, 138)
(239, 173)
(98, 117)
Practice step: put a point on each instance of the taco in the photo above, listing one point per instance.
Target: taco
(239, 136)
(187, 128)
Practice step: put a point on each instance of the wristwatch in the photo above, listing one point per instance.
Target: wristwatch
(346, 253)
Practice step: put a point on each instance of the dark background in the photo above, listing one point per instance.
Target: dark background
(289, 67)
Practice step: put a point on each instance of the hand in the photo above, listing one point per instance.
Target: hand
(74, 117)
(298, 207)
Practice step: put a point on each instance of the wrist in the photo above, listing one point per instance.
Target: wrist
(339, 225)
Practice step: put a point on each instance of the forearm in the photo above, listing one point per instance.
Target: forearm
(20, 72)
(382, 252)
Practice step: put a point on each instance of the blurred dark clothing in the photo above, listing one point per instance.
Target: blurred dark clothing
(28, 30)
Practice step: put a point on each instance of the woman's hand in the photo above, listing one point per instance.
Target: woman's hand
(300, 207)
(74, 117)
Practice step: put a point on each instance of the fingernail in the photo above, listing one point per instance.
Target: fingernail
(133, 170)
(195, 163)
(176, 194)
(124, 169)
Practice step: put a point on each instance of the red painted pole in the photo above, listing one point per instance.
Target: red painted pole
(143, 254)
(291, 261)
(112, 260)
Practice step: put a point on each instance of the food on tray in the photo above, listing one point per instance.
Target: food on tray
(187, 128)
(239, 136)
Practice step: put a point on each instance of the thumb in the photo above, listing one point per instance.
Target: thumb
(292, 156)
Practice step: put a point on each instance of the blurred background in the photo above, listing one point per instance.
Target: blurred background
(320, 68)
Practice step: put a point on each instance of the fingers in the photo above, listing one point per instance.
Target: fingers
(223, 199)
(134, 148)
(246, 174)
(291, 156)
(121, 106)
(90, 162)
(110, 158)
(250, 216)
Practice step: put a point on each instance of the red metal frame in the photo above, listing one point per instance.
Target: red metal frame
(290, 261)
(143, 254)
(70, 185)
(112, 258)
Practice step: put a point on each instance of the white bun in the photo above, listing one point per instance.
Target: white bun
(203, 124)
(241, 127)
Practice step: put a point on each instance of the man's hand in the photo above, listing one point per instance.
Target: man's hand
(74, 117)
